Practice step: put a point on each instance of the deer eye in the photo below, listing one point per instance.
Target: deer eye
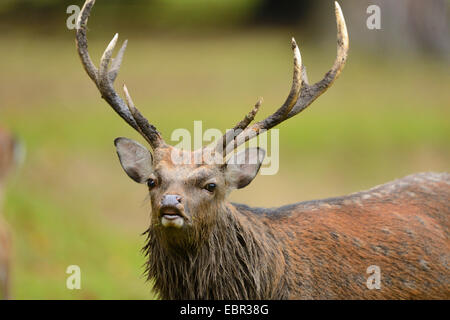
(210, 187)
(151, 183)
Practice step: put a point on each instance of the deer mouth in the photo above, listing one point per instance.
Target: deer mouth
(171, 217)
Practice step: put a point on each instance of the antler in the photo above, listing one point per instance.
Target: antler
(302, 94)
(104, 78)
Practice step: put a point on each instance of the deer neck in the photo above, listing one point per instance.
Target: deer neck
(233, 261)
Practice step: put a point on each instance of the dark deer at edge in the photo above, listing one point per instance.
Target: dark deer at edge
(200, 246)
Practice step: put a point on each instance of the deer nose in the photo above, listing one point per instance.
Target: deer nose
(171, 200)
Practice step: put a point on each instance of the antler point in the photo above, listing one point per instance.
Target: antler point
(294, 43)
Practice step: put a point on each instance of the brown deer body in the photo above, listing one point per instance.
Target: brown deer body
(200, 246)
(317, 249)
(7, 159)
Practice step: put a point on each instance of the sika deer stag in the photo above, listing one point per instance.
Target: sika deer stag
(8, 152)
(200, 246)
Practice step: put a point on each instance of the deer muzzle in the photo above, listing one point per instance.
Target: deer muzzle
(171, 212)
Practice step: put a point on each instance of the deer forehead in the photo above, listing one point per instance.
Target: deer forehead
(171, 172)
(171, 157)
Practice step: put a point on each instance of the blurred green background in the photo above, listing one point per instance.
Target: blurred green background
(70, 202)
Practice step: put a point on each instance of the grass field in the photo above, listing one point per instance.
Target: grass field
(71, 203)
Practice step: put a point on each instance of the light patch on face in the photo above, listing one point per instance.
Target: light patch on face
(174, 221)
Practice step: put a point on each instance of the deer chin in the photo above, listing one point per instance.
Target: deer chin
(172, 220)
(172, 217)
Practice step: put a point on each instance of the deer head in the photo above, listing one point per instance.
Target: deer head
(187, 198)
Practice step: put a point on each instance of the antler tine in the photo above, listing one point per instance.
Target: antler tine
(238, 128)
(302, 94)
(278, 116)
(311, 93)
(104, 78)
(117, 61)
(103, 72)
(249, 117)
(81, 40)
(146, 129)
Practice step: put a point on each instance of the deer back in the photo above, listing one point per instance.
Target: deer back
(402, 227)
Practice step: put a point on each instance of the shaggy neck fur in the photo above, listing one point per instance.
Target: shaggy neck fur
(235, 260)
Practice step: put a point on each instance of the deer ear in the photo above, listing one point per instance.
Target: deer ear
(242, 168)
(135, 159)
